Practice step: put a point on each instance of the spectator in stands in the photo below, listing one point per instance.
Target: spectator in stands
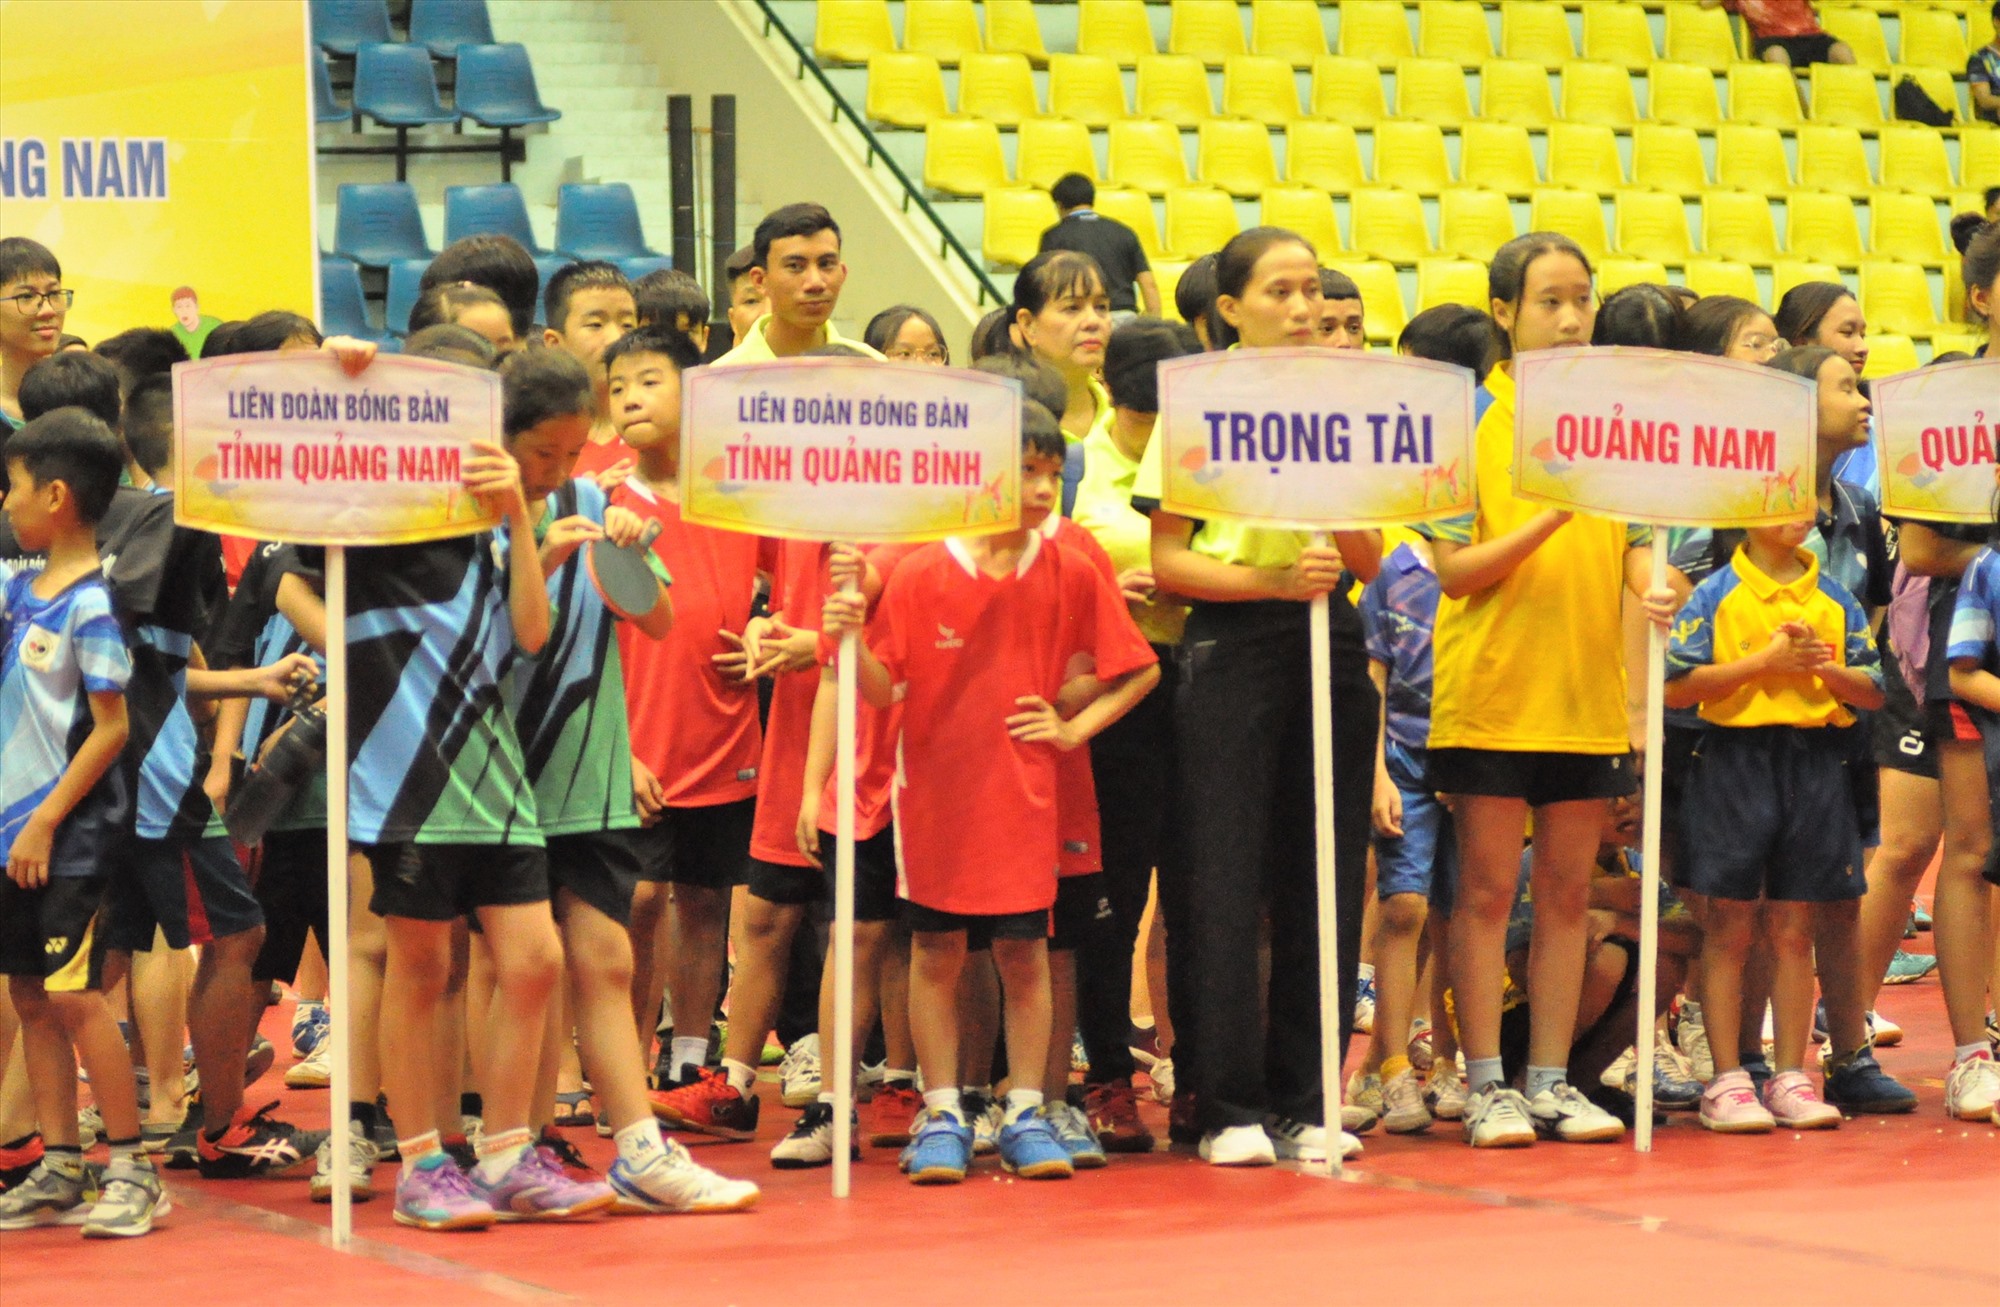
(1786, 32)
(671, 298)
(905, 333)
(746, 293)
(1982, 79)
(501, 265)
(1114, 245)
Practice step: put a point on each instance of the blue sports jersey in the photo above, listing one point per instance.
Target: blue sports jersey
(1398, 610)
(166, 749)
(1976, 612)
(253, 633)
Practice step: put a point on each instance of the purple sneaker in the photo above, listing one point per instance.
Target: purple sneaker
(440, 1197)
(536, 1189)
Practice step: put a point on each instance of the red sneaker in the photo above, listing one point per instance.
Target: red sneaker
(887, 1116)
(1113, 1109)
(708, 1104)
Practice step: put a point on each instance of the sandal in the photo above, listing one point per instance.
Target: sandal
(573, 1109)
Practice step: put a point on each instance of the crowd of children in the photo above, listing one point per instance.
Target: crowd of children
(575, 832)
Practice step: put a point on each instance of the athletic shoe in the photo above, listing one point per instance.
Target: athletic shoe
(315, 1070)
(1883, 1032)
(1114, 1114)
(534, 1188)
(19, 1162)
(1073, 1131)
(184, 1148)
(440, 1197)
(1161, 1073)
(810, 1143)
(890, 1114)
(46, 1197)
(1418, 1050)
(310, 1023)
(798, 1072)
(1972, 1090)
(1674, 1087)
(360, 1166)
(154, 1136)
(1302, 1141)
(1560, 1112)
(1691, 1035)
(1444, 1091)
(710, 1105)
(1143, 1043)
(1905, 968)
(460, 1149)
(1030, 1149)
(1238, 1145)
(1860, 1085)
(1497, 1117)
(1403, 1101)
(662, 1074)
(89, 1127)
(385, 1132)
(1796, 1105)
(564, 1153)
(1364, 1091)
(1729, 1106)
(1993, 1031)
(1920, 917)
(261, 1056)
(1364, 1003)
(1079, 1059)
(129, 1198)
(986, 1117)
(256, 1144)
(674, 1182)
(941, 1151)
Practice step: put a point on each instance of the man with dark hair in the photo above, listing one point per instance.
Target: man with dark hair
(1114, 245)
(1982, 83)
(31, 319)
(746, 294)
(672, 299)
(796, 263)
(496, 262)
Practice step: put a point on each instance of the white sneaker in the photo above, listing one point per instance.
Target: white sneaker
(1692, 1036)
(1363, 1107)
(1162, 1075)
(798, 1073)
(1497, 1117)
(1403, 1099)
(1972, 1090)
(361, 1159)
(675, 1182)
(1444, 1090)
(1884, 1032)
(1298, 1141)
(810, 1143)
(1560, 1112)
(1239, 1145)
(1620, 1070)
(315, 1070)
(985, 1115)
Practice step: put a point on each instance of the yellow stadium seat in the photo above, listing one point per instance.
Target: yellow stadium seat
(1174, 89)
(1788, 273)
(1385, 223)
(1451, 281)
(1618, 34)
(1536, 31)
(1048, 149)
(1432, 91)
(1751, 159)
(1516, 91)
(1146, 155)
(946, 30)
(1652, 225)
(1978, 164)
(1845, 95)
(1086, 88)
(1668, 159)
(1822, 227)
(1721, 277)
(1260, 88)
(1210, 30)
(1584, 157)
(1763, 95)
(1166, 276)
(1598, 93)
(1614, 275)
(1199, 219)
(905, 90)
(1323, 155)
(1375, 30)
(997, 87)
(1305, 210)
(1117, 30)
(1134, 208)
(1954, 301)
(1938, 84)
(1411, 155)
(1861, 29)
(1578, 215)
(962, 156)
(1235, 155)
(1738, 227)
(1347, 90)
(1381, 296)
(1700, 36)
(1015, 219)
(1896, 298)
(1683, 95)
(1932, 38)
(1473, 224)
(852, 31)
(1913, 159)
(1889, 355)
(1287, 29)
(1011, 28)
(1831, 159)
(1497, 156)
(1953, 338)
(1455, 30)
(1906, 227)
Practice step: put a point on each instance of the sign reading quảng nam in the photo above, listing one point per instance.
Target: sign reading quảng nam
(1935, 433)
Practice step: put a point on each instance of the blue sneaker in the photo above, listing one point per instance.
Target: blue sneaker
(1859, 1084)
(1364, 1003)
(1029, 1148)
(1904, 968)
(1073, 1131)
(310, 1024)
(942, 1150)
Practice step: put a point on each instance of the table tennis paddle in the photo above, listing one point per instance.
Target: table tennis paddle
(623, 574)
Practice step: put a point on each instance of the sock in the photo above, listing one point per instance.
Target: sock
(471, 1105)
(425, 1151)
(944, 1102)
(65, 1160)
(898, 1078)
(1483, 1073)
(690, 1051)
(1544, 1077)
(364, 1113)
(124, 1150)
(1020, 1102)
(213, 1132)
(1966, 1052)
(639, 1144)
(499, 1152)
(741, 1075)
(1393, 1067)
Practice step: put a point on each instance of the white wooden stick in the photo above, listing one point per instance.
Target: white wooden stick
(1323, 848)
(842, 1053)
(337, 990)
(1649, 856)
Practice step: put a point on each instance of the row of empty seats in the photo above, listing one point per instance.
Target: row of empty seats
(396, 86)
(439, 27)
(376, 224)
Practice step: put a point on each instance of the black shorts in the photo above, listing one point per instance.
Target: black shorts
(980, 930)
(1947, 722)
(289, 872)
(705, 847)
(194, 891)
(1082, 915)
(1816, 49)
(599, 867)
(1770, 814)
(443, 882)
(1900, 740)
(1517, 1022)
(1539, 778)
(874, 878)
(53, 932)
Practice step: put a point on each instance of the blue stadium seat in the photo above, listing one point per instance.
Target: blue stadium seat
(396, 86)
(475, 210)
(645, 263)
(343, 26)
(496, 88)
(404, 278)
(600, 222)
(326, 109)
(376, 223)
(444, 25)
(343, 310)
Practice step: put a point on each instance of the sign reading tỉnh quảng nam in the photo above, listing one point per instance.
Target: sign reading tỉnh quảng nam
(1935, 433)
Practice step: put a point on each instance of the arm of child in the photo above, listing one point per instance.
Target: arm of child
(1974, 684)
(1466, 569)
(1360, 552)
(1387, 810)
(1660, 604)
(1040, 722)
(302, 606)
(1179, 570)
(274, 682)
(1792, 648)
(564, 537)
(1851, 685)
(494, 477)
(820, 743)
(847, 612)
(28, 860)
(229, 719)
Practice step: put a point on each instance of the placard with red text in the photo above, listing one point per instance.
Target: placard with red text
(1935, 432)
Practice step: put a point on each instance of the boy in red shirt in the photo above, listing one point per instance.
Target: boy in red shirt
(1006, 651)
(1786, 32)
(590, 306)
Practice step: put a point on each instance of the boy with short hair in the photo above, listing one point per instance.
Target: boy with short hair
(590, 305)
(668, 297)
(746, 294)
(31, 318)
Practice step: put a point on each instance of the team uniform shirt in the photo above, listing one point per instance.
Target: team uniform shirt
(253, 633)
(756, 349)
(165, 749)
(976, 810)
(1734, 613)
(1976, 613)
(876, 730)
(430, 639)
(54, 654)
(1767, 19)
(1532, 664)
(601, 456)
(1398, 611)
(1104, 508)
(694, 730)
(798, 592)
(1079, 826)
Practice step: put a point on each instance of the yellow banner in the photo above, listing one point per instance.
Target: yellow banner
(1935, 432)
(161, 146)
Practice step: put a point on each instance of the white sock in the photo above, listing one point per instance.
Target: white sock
(1965, 1052)
(943, 1102)
(689, 1051)
(1020, 1102)
(741, 1075)
(896, 1076)
(639, 1144)
(498, 1153)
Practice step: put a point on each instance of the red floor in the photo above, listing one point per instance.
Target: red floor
(1888, 1206)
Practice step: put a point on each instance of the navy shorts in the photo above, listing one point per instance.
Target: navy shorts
(1536, 777)
(1424, 858)
(1770, 814)
(194, 891)
(979, 929)
(443, 882)
(874, 878)
(52, 933)
(705, 847)
(1901, 741)
(1082, 915)
(599, 867)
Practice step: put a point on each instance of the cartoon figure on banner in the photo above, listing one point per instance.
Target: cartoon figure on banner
(1196, 462)
(1788, 484)
(986, 504)
(1443, 476)
(191, 325)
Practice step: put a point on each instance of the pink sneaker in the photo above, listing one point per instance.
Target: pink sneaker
(1730, 1106)
(1796, 1105)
